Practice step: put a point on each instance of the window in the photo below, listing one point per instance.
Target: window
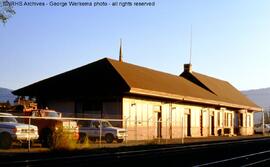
(92, 107)
(231, 119)
(84, 123)
(94, 124)
(8, 119)
(106, 124)
(50, 114)
(241, 119)
(226, 119)
(248, 121)
(219, 115)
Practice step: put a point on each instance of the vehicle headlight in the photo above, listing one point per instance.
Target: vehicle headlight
(121, 132)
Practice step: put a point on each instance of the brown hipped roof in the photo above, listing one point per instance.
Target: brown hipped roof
(146, 81)
(95, 79)
(108, 76)
(223, 89)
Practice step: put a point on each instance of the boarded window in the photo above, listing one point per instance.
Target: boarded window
(219, 122)
(241, 119)
(92, 107)
(226, 119)
(248, 121)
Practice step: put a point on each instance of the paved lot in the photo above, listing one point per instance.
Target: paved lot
(196, 151)
(16, 148)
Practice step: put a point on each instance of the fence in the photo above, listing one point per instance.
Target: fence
(76, 133)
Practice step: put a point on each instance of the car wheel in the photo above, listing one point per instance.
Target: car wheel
(47, 139)
(25, 144)
(5, 141)
(109, 138)
(120, 140)
(92, 139)
(82, 138)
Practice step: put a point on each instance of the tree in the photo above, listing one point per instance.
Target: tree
(6, 10)
(266, 117)
(8, 103)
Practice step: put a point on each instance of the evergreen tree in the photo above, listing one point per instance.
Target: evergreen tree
(6, 10)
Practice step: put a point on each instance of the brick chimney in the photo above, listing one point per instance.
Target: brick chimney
(188, 68)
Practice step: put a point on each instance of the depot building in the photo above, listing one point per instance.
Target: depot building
(150, 104)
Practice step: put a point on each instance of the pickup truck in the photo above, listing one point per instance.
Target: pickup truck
(12, 131)
(91, 129)
(50, 123)
(258, 128)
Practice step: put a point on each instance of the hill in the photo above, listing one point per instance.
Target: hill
(262, 98)
(6, 95)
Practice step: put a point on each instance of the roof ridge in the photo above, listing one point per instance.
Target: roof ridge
(224, 82)
(210, 77)
(116, 61)
(199, 83)
(116, 70)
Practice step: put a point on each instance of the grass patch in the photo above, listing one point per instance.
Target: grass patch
(66, 142)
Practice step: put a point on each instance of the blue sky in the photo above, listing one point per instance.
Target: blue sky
(231, 39)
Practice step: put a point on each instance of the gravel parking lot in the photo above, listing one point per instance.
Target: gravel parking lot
(17, 148)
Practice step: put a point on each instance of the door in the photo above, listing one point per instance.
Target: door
(201, 124)
(212, 130)
(188, 124)
(94, 129)
(159, 125)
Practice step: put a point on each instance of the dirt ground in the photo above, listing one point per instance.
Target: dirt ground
(36, 148)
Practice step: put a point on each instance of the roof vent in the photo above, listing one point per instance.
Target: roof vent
(188, 68)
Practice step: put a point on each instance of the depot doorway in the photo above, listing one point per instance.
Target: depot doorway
(187, 125)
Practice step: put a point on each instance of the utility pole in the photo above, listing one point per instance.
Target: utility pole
(263, 122)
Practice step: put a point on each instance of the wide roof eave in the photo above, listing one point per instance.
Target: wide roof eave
(176, 97)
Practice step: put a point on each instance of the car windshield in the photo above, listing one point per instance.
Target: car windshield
(257, 125)
(8, 119)
(267, 125)
(106, 124)
(51, 114)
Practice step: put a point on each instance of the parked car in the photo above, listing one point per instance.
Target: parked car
(91, 129)
(12, 131)
(258, 128)
(50, 123)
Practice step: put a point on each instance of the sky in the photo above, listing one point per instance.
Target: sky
(230, 39)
